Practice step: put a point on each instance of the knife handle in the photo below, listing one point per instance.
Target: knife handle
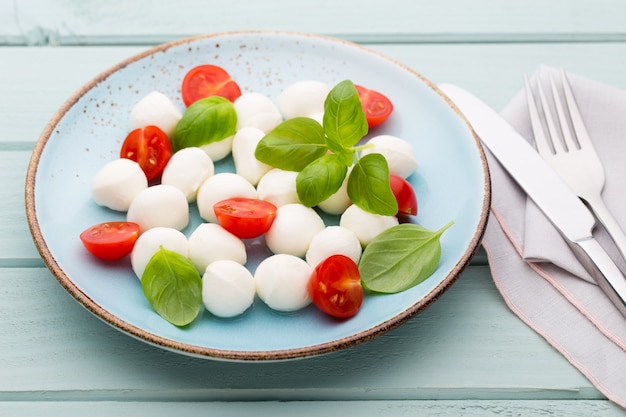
(600, 265)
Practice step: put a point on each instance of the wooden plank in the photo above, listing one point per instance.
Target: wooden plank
(492, 71)
(467, 345)
(16, 243)
(315, 408)
(62, 22)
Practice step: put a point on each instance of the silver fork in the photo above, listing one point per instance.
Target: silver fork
(573, 156)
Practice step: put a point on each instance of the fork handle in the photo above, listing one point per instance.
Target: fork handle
(608, 221)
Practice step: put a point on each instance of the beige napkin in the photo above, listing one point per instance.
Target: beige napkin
(534, 269)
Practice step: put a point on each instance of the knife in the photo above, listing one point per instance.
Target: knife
(546, 188)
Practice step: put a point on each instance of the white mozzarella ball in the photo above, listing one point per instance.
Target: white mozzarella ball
(227, 288)
(220, 187)
(365, 225)
(318, 117)
(220, 149)
(244, 146)
(278, 187)
(339, 201)
(151, 241)
(117, 184)
(159, 206)
(187, 169)
(334, 240)
(398, 153)
(281, 282)
(155, 109)
(210, 242)
(303, 98)
(293, 229)
(257, 110)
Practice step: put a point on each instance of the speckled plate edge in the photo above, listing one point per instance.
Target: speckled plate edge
(205, 352)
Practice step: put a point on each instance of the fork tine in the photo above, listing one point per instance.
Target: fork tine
(577, 121)
(555, 138)
(569, 140)
(543, 144)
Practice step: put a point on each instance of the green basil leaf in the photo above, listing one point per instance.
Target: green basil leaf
(206, 121)
(344, 120)
(173, 286)
(345, 155)
(369, 188)
(400, 258)
(293, 144)
(320, 179)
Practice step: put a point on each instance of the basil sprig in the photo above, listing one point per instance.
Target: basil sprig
(322, 154)
(206, 121)
(173, 286)
(400, 258)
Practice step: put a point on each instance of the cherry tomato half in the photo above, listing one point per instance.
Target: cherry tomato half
(110, 241)
(335, 286)
(377, 106)
(245, 218)
(150, 147)
(208, 80)
(405, 195)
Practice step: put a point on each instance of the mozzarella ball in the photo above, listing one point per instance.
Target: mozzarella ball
(365, 225)
(318, 117)
(333, 240)
(244, 146)
(278, 187)
(220, 187)
(293, 229)
(187, 169)
(218, 150)
(210, 242)
(155, 109)
(151, 241)
(257, 110)
(159, 205)
(227, 288)
(398, 153)
(303, 98)
(339, 201)
(281, 282)
(117, 184)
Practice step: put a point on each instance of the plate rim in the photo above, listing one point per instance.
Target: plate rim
(226, 354)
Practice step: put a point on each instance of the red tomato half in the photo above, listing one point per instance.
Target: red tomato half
(377, 106)
(335, 286)
(150, 147)
(245, 218)
(405, 195)
(110, 241)
(208, 80)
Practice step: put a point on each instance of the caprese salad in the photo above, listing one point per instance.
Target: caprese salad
(294, 156)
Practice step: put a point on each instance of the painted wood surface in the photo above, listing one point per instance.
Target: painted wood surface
(73, 22)
(467, 354)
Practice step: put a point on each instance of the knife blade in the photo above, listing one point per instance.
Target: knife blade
(545, 187)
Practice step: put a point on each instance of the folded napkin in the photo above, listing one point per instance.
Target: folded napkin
(532, 266)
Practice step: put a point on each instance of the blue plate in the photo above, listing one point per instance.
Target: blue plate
(452, 184)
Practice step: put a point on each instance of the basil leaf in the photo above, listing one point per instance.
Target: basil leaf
(344, 120)
(173, 286)
(369, 188)
(206, 121)
(400, 258)
(320, 179)
(293, 144)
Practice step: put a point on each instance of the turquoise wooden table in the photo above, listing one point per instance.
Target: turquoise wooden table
(467, 354)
